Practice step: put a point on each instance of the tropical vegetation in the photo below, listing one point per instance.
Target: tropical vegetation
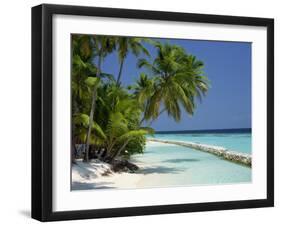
(108, 118)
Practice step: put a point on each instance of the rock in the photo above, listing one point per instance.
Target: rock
(123, 166)
(106, 173)
(215, 150)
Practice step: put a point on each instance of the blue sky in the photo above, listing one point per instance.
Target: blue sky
(228, 101)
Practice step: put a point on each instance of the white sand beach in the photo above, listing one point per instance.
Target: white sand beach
(162, 165)
(98, 175)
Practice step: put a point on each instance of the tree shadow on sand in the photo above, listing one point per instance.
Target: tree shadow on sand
(158, 169)
(88, 186)
(181, 160)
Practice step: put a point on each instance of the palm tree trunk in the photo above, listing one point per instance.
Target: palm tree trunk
(120, 150)
(120, 72)
(142, 120)
(73, 150)
(93, 106)
(161, 112)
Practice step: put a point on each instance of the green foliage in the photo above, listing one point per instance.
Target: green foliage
(172, 79)
(135, 146)
(177, 81)
(81, 123)
(126, 45)
(92, 81)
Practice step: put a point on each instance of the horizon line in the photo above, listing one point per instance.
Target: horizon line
(203, 130)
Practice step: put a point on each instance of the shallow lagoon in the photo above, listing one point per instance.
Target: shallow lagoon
(166, 165)
(180, 166)
(240, 142)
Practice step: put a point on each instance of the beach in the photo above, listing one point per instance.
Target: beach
(130, 114)
(161, 165)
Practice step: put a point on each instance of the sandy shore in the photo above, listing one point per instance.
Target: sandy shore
(98, 175)
(190, 168)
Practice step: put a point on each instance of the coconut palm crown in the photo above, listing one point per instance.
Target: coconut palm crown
(177, 79)
(126, 45)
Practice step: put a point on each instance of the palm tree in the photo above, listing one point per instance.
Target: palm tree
(81, 69)
(118, 134)
(102, 45)
(143, 91)
(177, 80)
(125, 45)
(114, 99)
(112, 128)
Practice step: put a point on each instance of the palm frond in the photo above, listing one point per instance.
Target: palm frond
(131, 134)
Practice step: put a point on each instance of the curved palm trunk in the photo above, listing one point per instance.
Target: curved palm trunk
(161, 112)
(120, 150)
(93, 107)
(120, 72)
(143, 118)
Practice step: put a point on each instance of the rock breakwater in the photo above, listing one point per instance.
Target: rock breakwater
(222, 152)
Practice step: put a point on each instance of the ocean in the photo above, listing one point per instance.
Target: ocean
(233, 140)
(181, 166)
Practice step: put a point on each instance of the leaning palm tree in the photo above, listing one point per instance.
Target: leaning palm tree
(178, 80)
(119, 114)
(126, 45)
(102, 46)
(143, 91)
(116, 132)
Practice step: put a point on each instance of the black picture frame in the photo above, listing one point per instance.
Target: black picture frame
(42, 111)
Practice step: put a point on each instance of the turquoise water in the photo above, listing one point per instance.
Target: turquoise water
(240, 142)
(173, 165)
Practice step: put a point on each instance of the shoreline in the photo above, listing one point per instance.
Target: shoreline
(100, 175)
(222, 152)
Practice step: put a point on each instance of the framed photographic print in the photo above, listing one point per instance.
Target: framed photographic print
(145, 112)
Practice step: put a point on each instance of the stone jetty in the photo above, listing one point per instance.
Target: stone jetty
(222, 152)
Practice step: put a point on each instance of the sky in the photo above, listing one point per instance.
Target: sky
(228, 102)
